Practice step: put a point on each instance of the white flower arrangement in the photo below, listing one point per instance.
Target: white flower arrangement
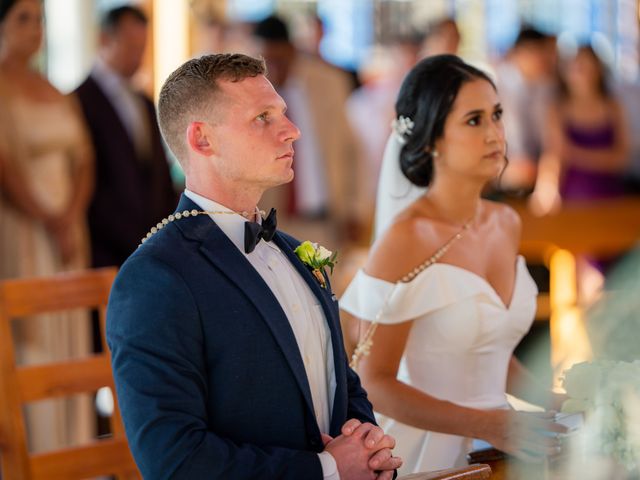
(317, 257)
(609, 393)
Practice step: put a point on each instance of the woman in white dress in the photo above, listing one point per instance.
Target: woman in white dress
(444, 288)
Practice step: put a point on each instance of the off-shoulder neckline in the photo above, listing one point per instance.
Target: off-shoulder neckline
(506, 306)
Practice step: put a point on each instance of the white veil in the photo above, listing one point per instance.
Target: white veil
(395, 191)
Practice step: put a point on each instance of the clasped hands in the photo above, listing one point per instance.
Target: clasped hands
(362, 451)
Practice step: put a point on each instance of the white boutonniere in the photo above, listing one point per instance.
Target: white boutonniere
(317, 257)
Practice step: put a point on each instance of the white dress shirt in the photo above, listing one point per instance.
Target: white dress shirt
(302, 309)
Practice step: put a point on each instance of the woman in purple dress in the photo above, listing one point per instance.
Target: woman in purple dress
(586, 142)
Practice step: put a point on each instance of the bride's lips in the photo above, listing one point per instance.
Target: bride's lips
(495, 154)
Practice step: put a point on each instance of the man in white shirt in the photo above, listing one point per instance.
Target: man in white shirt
(227, 350)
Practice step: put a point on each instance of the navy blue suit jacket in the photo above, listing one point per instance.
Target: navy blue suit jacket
(208, 372)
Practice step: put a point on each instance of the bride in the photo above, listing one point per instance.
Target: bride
(444, 295)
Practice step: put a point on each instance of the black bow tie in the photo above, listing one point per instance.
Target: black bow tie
(253, 231)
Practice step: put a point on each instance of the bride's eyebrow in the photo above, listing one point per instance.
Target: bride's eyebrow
(473, 113)
(480, 111)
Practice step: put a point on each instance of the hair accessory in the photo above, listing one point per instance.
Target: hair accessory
(403, 126)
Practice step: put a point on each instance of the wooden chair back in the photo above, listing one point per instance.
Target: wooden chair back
(19, 384)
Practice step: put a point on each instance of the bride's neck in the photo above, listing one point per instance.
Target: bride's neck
(455, 202)
(14, 64)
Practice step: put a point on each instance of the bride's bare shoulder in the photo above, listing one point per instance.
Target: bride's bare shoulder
(505, 219)
(404, 245)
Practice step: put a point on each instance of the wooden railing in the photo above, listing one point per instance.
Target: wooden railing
(602, 229)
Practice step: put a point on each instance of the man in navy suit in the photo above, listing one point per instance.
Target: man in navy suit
(227, 350)
(132, 173)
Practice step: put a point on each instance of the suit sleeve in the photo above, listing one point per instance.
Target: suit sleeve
(156, 340)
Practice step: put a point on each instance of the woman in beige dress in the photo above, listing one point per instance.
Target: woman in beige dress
(45, 185)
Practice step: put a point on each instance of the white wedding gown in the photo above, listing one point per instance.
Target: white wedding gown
(458, 349)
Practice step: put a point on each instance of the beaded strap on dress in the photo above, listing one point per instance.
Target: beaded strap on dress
(436, 256)
(364, 345)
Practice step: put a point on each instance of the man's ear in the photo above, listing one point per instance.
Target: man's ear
(200, 138)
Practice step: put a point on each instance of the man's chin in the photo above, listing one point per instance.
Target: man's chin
(287, 178)
(277, 182)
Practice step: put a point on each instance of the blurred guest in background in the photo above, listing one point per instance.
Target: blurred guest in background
(441, 37)
(370, 107)
(46, 179)
(133, 184)
(526, 81)
(381, 78)
(323, 201)
(587, 141)
(586, 152)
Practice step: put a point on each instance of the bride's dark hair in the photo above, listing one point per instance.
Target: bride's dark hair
(426, 97)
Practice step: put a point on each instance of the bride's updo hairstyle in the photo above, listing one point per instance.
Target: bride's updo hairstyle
(426, 97)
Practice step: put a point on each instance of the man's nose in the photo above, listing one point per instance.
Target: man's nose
(292, 131)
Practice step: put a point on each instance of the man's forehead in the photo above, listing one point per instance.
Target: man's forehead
(256, 91)
(247, 86)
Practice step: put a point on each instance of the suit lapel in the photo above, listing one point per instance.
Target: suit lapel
(224, 255)
(325, 298)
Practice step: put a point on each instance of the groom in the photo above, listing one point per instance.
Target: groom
(227, 351)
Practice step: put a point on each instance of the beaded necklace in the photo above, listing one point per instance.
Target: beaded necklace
(192, 213)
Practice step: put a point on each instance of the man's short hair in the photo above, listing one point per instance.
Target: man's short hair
(189, 93)
(112, 18)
